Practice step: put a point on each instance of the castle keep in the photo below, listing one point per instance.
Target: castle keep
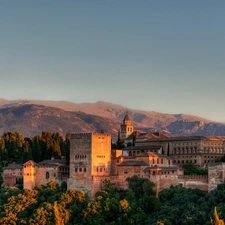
(90, 156)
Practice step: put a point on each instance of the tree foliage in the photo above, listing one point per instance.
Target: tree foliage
(15, 148)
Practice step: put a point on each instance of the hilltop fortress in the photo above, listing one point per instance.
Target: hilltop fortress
(154, 156)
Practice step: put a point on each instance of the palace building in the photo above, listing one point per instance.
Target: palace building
(154, 156)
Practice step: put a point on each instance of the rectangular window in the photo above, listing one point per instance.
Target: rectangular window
(84, 169)
(80, 169)
(161, 161)
(76, 169)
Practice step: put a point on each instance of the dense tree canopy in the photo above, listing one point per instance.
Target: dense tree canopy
(52, 205)
(15, 148)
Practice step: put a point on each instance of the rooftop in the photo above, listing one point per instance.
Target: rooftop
(133, 163)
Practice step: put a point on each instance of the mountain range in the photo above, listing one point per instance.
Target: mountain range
(31, 117)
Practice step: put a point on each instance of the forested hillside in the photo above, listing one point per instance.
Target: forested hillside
(140, 205)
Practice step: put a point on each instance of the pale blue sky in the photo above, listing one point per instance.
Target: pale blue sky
(166, 56)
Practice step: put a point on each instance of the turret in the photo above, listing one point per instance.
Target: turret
(126, 128)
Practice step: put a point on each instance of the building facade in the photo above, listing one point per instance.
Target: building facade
(43, 172)
(90, 156)
(12, 175)
(200, 150)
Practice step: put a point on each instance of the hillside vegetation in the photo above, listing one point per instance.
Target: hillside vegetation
(53, 205)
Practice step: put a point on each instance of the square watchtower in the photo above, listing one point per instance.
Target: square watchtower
(90, 155)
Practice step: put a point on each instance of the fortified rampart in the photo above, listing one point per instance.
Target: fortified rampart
(161, 182)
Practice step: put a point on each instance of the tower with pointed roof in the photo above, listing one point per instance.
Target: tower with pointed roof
(127, 127)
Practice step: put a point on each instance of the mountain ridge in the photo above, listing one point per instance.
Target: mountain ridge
(34, 116)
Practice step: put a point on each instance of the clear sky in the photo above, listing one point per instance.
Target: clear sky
(165, 55)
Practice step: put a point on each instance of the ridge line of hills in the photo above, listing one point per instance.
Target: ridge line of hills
(31, 117)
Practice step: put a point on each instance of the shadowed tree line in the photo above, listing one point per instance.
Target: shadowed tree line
(15, 148)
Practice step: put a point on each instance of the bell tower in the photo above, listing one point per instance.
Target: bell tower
(127, 127)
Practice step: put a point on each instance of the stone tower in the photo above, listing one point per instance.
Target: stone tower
(29, 174)
(90, 157)
(126, 128)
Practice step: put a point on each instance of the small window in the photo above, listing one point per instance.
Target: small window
(84, 169)
(80, 169)
(76, 169)
(47, 175)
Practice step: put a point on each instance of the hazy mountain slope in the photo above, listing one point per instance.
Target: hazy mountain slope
(87, 117)
(33, 119)
(109, 110)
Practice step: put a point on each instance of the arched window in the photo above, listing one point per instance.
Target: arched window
(47, 175)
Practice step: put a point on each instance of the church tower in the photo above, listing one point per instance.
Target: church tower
(126, 128)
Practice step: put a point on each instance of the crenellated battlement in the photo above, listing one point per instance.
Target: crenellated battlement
(88, 135)
(193, 177)
(101, 134)
(81, 136)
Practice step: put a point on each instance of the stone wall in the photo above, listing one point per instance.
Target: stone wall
(216, 173)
